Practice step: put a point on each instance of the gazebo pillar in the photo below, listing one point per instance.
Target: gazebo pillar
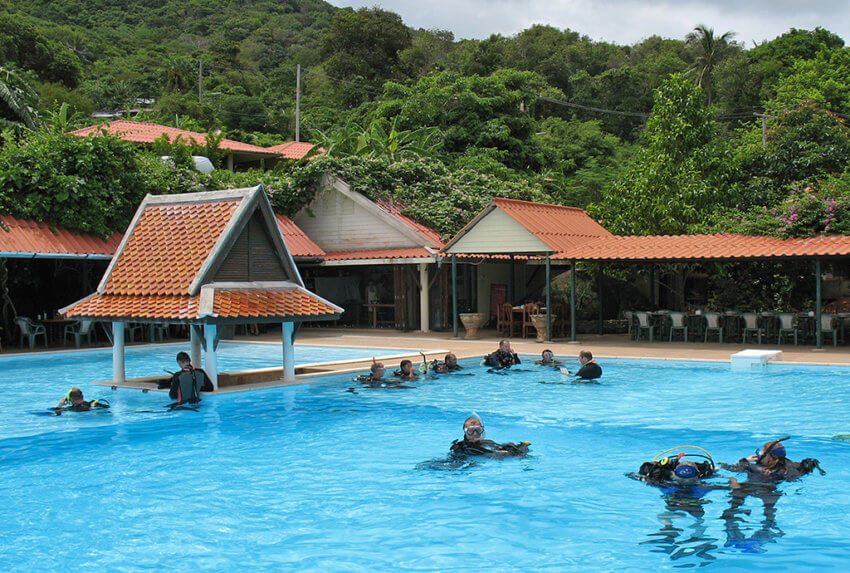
(288, 352)
(572, 301)
(818, 325)
(118, 371)
(195, 335)
(424, 299)
(229, 161)
(599, 298)
(210, 360)
(548, 299)
(454, 294)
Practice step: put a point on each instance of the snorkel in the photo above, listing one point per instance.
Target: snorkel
(774, 448)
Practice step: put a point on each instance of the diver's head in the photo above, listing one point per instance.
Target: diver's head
(406, 366)
(183, 359)
(505, 345)
(473, 429)
(685, 471)
(585, 356)
(75, 395)
(771, 453)
(451, 360)
(547, 355)
(377, 369)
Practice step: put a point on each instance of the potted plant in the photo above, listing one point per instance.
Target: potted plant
(472, 321)
(539, 322)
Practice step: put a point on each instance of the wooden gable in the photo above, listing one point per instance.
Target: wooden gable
(252, 256)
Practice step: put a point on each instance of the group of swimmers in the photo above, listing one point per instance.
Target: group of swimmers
(185, 387)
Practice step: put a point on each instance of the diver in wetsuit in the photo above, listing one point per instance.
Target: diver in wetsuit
(406, 371)
(375, 378)
(188, 382)
(769, 464)
(448, 364)
(547, 358)
(474, 444)
(589, 370)
(74, 402)
(504, 357)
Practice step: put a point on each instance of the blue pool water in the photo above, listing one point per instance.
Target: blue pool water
(317, 477)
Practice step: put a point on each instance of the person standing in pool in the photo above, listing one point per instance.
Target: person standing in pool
(504, 357)
(589, 370)
(75, 402)
(474, 444)
(405, 371)
(375, 377)
(188, 382)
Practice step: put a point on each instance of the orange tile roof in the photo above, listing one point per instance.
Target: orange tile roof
(408, 253)
(395, 208)
(296, 150)
(168, 246)
(298, 243)
(141, 132)
(27, 237)
(558, 226)
(705, 247)
(288, 301)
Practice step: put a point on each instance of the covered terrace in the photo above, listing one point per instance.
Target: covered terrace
(566, 235)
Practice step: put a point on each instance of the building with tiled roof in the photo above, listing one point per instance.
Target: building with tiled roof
(373, 241)
(557, 233)
(238, 153)
(296, 150)
(29, 239)
(204, 259)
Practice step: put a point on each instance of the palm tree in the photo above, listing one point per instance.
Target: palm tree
(709, 51)
(17, 100)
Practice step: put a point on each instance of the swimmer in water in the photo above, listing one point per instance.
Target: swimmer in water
(406, 371)
(75, 402)
(474, 444)
(504, 357)
(769, 464)
(589, 370)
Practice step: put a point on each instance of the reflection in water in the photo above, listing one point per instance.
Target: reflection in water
(749, 537)
(683, 531)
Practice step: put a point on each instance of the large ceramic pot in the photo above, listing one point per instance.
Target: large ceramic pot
(539, 322)
(472, 321)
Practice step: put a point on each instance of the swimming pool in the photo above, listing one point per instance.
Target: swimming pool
(315, 476)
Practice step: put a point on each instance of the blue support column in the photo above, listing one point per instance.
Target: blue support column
(288, 352)
(118, 372)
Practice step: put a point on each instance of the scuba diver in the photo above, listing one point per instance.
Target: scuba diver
(547, 358)
(504, 357)
(448, 364)
(589, 370)
(375, 377)
(188, 382)
(679, 479)
(765, 469)
(406, 371)
(74, 402)
(474, 444)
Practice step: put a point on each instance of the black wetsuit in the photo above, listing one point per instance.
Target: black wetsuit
(85, 406)
(187, 385)
(487, 448)
(502, 359)
(658, 473)
(589, 371)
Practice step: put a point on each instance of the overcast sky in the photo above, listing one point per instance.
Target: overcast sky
(620, 21)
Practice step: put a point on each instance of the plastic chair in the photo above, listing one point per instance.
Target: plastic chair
(643, 324)
(158, 331)
(527, 310)
(31, 330)
(826, 326)
(78, 330)
(786, 326)
(712, 324)
(133, 328)
(630, 318)
(751, 326)
(677, 322)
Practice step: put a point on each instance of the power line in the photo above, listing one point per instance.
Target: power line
(591, 108)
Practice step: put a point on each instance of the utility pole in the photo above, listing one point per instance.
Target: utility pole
(200, 80)
(298, 103)
(764, 117)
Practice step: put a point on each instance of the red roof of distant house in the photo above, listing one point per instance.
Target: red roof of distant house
(412, 253)
(395, 208)
(22, 237)
(141, 132)
(296, 149)
(298, 243)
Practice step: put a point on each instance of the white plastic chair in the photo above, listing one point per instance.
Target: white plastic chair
(31, 330)
(643, 324)
(677, 322)
(712, 323)
(786, 326)
(630, 318)
(751, 326)
(79, 330)
(826, 327)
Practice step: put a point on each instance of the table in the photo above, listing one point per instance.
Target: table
(55, 328)
(374, 308)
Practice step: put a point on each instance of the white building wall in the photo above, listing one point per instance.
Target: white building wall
(491, 273)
